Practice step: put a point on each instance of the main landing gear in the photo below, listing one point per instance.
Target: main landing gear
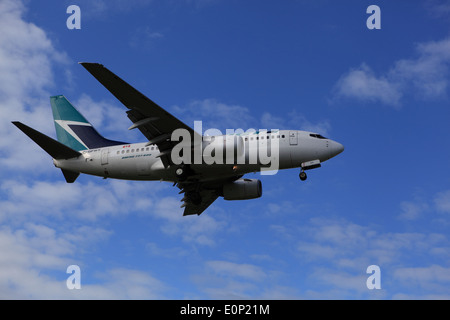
(193, 195)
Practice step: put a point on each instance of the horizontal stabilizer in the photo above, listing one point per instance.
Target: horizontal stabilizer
(54, 148)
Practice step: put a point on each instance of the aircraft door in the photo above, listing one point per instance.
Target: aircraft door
(293, 139)
(105, 153)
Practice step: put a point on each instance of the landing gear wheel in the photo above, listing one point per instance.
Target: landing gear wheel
(302, 176)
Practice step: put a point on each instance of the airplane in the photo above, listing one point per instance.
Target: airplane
(79, 148)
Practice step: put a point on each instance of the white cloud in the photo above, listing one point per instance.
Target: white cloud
(143, 37)
(41, 200)
(342, 251)
(25, 53)
(191, 229)
(222, 279)
(424, 274)
(442, 201)
(425, 77)
(32, 248)
(361, 83)
(89, 202)
(438, 8)
(420, 208)
(30, 252)
(433, 280)
(26, 60)
(412, 210)
(123, 283)
(342, 281)
(428, 73)
(241, 270)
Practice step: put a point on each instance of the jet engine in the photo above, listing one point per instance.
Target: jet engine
(242, 189)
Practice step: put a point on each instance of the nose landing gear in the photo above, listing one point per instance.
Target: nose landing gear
(308, 166)
(303, 175)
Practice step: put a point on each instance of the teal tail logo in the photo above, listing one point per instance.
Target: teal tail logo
(73, 130)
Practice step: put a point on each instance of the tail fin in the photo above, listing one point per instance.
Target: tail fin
(73, 130)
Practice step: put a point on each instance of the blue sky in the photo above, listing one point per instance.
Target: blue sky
(313, 65)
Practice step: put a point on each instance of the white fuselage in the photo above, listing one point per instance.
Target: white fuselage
(140, 161)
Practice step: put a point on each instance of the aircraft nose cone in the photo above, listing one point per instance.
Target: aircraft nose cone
(339, 148)
(336, 148)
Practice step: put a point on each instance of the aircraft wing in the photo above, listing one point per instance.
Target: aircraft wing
(153, 121)
(207, 190)
(208, 197)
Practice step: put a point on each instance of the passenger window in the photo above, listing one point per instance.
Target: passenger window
(282, 135)
(128, 150)
(146, 149)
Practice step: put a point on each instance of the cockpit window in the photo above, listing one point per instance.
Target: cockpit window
(315, 135)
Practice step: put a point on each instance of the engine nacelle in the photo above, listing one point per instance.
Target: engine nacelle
(242, 189)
